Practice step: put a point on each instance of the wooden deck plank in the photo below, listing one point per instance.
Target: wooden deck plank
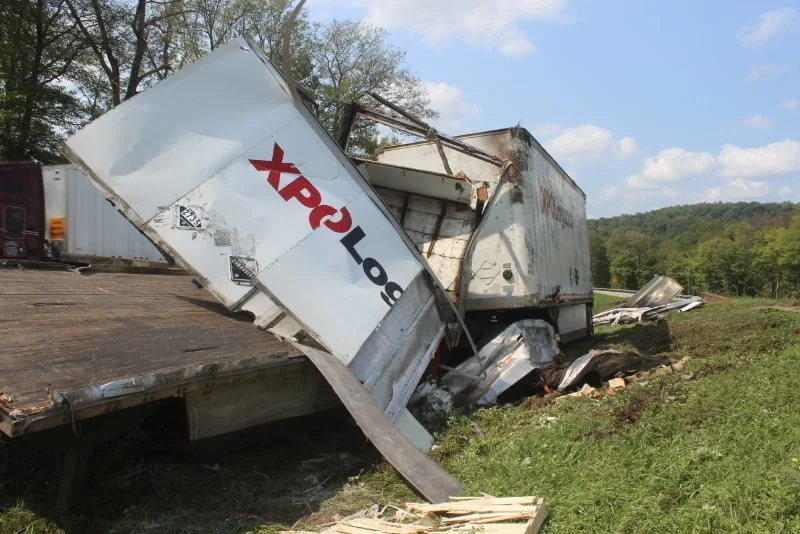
(62, 330)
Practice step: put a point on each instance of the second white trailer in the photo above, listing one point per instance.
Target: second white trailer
(81, 224)
(506, 242)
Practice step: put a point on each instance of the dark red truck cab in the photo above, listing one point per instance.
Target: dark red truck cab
(21, 211)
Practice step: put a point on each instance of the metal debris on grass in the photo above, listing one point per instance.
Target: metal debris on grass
(653, 301)
(508, 358)
(637, 315)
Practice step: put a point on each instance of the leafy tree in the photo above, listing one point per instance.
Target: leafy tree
(119, 34)
(352, 59)
(778, 254)
(39, 51)
(744, 248)
(600, 268)
(633, 262)
(208, 24)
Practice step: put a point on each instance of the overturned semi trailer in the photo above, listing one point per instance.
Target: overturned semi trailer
(223, 167)
(507, 238)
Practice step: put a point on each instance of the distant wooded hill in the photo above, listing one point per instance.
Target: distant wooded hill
(742, 248)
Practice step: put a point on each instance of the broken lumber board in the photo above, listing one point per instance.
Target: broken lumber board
(489, 517)
(490, 505)
(425, 475)
(535, 523)
(447, 521)
(498, 500)
(373, 526)
(487, 514)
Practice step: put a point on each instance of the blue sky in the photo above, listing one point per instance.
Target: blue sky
(646, 104)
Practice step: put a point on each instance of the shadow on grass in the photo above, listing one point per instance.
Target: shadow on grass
(645, 338)
(272, 475)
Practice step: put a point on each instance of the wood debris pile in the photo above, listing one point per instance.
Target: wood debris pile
(509, 515)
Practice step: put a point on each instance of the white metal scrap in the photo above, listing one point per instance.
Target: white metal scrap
(637, 315)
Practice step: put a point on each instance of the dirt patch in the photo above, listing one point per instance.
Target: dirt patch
(537, 402)
(714, 298)
(633, 411)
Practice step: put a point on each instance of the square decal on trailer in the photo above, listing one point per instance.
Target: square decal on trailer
(243, 269)
(188, 217)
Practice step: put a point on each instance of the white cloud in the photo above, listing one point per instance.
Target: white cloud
(581, 142)
(764, 71)
(785, 191)
(739, 189)
(585, 142)
(775, 159)
(759, 122)
(453, 108)
(494, 25)
(671, 165)
(770, 24)
(789, 105)
(626, 148)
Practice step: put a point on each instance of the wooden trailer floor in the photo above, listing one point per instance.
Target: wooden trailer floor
(62, 331)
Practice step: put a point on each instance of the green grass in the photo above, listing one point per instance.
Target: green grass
(717, 449)
(18, 519)
(605, 302)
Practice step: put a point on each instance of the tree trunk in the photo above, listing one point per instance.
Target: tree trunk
(139, 30)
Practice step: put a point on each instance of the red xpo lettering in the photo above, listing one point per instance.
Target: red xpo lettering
(336, 220)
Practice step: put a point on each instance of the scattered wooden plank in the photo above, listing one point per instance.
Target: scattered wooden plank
(496, 528)
(501, 518)
(377, 525)
(496, 500)
(463, 507)
(535, 523)
(486, 518)
(486, 515)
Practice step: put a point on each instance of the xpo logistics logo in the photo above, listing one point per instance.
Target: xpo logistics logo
(337, 220)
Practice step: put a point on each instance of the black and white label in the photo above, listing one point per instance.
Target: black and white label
(243, 270)
(187, 218)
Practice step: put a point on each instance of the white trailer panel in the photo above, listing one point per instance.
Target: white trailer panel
(84, 223)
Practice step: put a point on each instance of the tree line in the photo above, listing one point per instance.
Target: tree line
(744, 248)
(66, 62)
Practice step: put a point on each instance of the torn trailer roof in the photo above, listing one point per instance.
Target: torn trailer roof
(75, 346)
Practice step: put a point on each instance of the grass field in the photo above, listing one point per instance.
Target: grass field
(714, 447)
(605, 302)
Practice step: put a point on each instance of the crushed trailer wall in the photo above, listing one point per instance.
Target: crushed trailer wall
(531, 249)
